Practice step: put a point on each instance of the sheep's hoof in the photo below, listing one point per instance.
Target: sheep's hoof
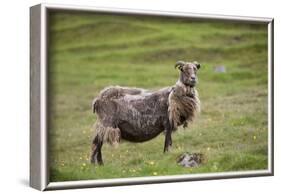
(95, 161)
(100, 163)
(167, 149)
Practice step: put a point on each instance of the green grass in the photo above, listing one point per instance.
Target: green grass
(90, 51)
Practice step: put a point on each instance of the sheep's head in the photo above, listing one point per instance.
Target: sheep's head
(188, 71)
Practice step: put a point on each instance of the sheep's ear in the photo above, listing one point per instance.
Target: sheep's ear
(180, 65)
(198, 65)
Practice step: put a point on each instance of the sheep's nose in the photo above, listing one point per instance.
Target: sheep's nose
(193, 78)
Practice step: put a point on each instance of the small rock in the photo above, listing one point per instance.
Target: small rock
(220, 69)
(190, 159)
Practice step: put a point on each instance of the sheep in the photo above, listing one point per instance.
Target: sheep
(139, 115)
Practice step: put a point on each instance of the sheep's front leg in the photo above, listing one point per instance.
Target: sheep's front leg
(168, 139)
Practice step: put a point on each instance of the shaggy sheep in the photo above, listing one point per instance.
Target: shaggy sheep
(138, 115)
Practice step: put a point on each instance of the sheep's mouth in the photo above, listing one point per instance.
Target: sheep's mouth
(192, 83)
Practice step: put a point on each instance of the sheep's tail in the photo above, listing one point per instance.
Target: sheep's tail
(107, 134)
(103, 130)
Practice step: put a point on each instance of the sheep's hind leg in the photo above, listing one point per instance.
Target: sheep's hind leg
(96, 157)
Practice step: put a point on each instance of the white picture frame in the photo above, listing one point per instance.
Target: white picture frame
(39, 171)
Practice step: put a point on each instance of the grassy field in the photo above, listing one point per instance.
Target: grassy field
(89, 52)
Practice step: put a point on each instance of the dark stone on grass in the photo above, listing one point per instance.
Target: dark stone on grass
(190, 159)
